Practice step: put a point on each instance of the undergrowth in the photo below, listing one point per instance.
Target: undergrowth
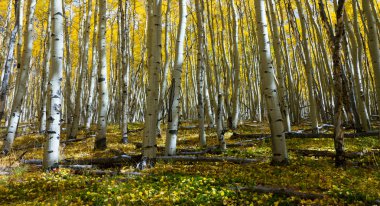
(181, 183)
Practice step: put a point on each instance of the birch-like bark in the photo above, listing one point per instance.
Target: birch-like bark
(103, 99)
(308, 69)
(338, 87)
(84, 66)
(21, 91)
(219, 123)
(374, 49)
(164, 78)
(8, 62)
(357, 48)
(91, 88)
(152, 92)
(19, 41)
(201, 70)
(45, 75)
(269, 88)
(125, 69)
(279, 65)
(175, 88)
(54, 112)
(68, 69)
(236, 69)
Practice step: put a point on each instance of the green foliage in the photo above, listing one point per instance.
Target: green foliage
(180, 183)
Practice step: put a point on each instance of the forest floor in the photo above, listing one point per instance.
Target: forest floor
(307, 180)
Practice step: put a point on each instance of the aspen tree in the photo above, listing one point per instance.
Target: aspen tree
(164, 82)
(84, 66)
(269, 88)
(103, 100)
(7, 28)
(93, 74)
(280, 74)
(308, 68)
(45, 74)
(19, 41)
(152, 92)
(68, 69)
(8, 61)
(54, 94)
(175, 88)
(374, 48)
(357, 49)
(19, 95)
(338, 88)
(125, 67)
(236, 69)
(200, 70)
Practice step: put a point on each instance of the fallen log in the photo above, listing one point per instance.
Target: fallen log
(331, 136)
(78, 139)
(189, 127)
(325, 153)
(281, 192)
(250, 136)
(207, 159)
(306, 135)
(37, 145)
(322, 127)
(214, 149)
(126, 159)
(103, 172)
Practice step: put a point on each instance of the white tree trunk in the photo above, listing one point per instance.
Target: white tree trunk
(164, 78)
(125, 70)
(201, 71)
(154, 70)
(54, 112)
(219, 123)
(174, 94)
(92, 83)
(279, 65)
(45, 74)
(374, 49)
(103, 99)
(8, 63)
(269, 87)
(23, 81)
(236, 69)
(308, 69)
(84, 66)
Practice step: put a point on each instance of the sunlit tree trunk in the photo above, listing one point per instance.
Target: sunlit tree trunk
(357, 47)
(92, 77)
(45, 75)
(152, 92)
(125, 66)
(68, 69)
(54, 112)
(219, 123)
(269, 88)
(19, 41)
(338, 87)
(308, 69)
(164, 81)
(236, 69)
(103, 100)
(374, 49)
(23, 81)
(201, 70)
(8, 62)
(84, 66)
(279, 65)
(175, 88)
